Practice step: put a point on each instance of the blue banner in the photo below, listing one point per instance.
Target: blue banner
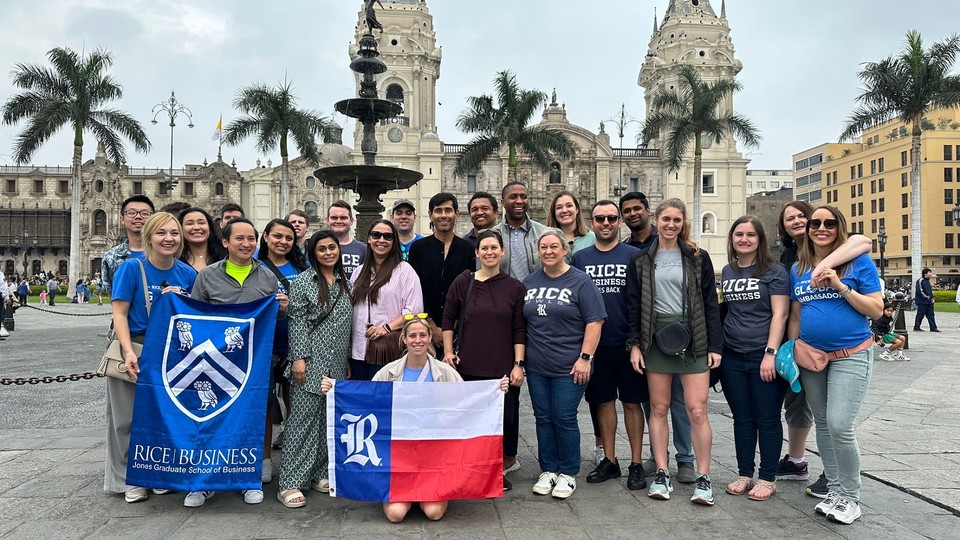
(200, 407)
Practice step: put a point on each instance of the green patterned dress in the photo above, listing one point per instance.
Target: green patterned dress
(321, 336)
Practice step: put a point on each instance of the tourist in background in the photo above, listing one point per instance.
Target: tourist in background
(829, 311)
(320, 328)
(756, 296)
(925, 300)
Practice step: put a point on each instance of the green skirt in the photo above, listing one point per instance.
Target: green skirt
(658, 361)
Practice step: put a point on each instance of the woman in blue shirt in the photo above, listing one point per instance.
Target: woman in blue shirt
(829, 311)
(162, 244)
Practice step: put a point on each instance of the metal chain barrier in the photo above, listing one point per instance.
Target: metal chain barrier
(107, 314)
(20, 381)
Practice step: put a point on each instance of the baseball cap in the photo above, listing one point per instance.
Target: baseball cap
(402, 202)
(787, 367)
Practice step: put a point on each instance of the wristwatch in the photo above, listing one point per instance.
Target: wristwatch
(518, 363)
(587, 357)
(770, 351)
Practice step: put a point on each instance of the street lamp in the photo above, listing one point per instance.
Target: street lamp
(173, 108)
(621, 121)
(882, 241)
(25, 242)
(956, 214)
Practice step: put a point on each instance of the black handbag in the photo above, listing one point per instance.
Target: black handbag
(676, 337)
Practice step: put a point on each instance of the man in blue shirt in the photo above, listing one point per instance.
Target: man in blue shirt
(404, 218)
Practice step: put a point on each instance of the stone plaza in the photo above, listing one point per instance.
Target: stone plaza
(52, 452)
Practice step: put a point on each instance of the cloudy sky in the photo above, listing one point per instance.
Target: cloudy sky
(800, 59)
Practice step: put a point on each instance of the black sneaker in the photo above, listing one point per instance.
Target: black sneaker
(604, 471)
(635, 479)
(918, 329)
(788, 470)
(507, 485)
(818, 489)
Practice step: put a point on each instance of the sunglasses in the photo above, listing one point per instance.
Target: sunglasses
(608, 219)
(829, 224)
(412, 316)
(376, 235)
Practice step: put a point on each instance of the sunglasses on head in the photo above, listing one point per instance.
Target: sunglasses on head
(829, 224)
(411, 316)
(376, 235)
(609, 219)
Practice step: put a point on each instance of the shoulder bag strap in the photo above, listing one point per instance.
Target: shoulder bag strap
(463, 314)
(276, 271)
(146, 293)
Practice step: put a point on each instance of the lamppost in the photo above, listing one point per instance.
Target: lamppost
(882, 241)
(621, 121)
(173, 108)
(25, 242)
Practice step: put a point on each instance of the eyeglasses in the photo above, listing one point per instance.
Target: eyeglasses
(135, 213)
(376, 235)
(608, 219)
(412, 316)
(829, 224)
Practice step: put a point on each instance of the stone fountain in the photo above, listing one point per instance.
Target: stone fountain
(369, 180)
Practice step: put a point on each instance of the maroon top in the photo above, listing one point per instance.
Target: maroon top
(493, 323)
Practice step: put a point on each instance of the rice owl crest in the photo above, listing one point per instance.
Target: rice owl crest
(206, 363)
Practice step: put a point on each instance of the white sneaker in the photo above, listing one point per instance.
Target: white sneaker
(564, 487)
(844, 511)
(253, 496)
(598, 454)
(197, 498)
(901, 356)
(545, 483)
(135, 495)
(514, 467)
(885, 356)
(266, 473)
(827, 504)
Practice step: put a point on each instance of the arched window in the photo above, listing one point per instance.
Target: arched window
(99, 223)
(62, 267)
(36, 266)
(395, 93)
(218, 189)
(98, 186)
(310, 182)
(310, 207)
(8, 268)
(709, 222)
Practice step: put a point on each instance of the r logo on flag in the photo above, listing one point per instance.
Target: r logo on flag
(359, 440)
(204, 380)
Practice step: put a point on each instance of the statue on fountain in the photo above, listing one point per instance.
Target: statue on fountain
(371, 16)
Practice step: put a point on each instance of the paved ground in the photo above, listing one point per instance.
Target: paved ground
(51, 456)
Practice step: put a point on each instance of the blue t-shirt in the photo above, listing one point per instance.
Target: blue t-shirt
(352, 256)
(557, 312)
(128, 286)
(405, 248)
(413, 375)
(281, 335)
(827, 320)
(749, 311)
(610, 271)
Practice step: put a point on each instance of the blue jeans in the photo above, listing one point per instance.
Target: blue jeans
(555, 401)
(681, 422)
(755, 405)
(835, 395)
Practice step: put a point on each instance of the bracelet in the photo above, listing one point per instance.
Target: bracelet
(387, 328)
(846, 291)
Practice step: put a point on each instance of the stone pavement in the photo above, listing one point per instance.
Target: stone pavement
(51, 459)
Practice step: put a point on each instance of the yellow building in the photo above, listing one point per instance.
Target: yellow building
(870, 183)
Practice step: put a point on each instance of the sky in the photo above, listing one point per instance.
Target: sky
(800, 60)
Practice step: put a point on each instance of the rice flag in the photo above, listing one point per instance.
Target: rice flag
(202, 395)
(411, 441)
(216, 134)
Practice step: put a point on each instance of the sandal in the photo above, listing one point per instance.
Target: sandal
(287, 497)
(763, 490)
(323, 486)
(740, 486)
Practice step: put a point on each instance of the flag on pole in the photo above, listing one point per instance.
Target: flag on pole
(204, 378)
(216, 134)
(413, 441)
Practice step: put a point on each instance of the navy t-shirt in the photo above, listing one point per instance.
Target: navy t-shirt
(352, 256)
(610, 271)
(281, 336)
(749, 311)
(557, 312)
(128, 286)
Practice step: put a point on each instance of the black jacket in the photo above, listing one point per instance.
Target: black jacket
(436, 273)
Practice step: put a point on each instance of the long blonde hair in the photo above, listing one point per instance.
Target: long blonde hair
(806, 253)
(685, 228)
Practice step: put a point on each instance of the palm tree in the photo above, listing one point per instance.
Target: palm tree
(906, 87)
(693, 111)
(502, 120)
(71, 92)
(272, 116)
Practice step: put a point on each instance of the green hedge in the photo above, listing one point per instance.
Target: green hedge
(945, 296)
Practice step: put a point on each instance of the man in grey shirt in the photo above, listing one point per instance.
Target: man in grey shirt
(519, 232)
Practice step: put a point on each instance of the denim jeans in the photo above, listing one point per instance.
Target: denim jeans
(755, 405)
(362, 371)
(555, 401)
(835, 395)
(681, 422)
